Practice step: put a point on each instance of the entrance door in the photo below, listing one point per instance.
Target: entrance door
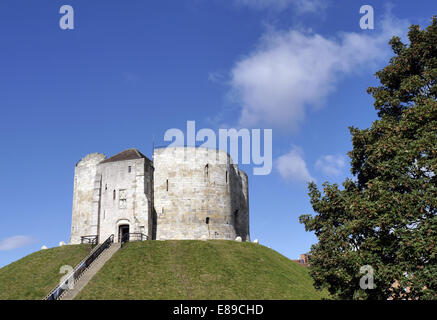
(123, 231)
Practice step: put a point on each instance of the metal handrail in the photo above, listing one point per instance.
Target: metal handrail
(92, 239)
(134, 236)
(56, 293)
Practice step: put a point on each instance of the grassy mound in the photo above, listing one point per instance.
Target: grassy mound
(33, 276)
(200, 270)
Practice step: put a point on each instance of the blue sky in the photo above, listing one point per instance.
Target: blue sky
(131, 70)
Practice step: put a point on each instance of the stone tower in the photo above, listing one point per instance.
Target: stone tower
(84, 222)
(199, 197)
(126, 197)
(185, 193)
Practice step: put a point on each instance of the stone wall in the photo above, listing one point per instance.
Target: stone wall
(197, 194)
(240, 202)
(126, 196)
(83, 221)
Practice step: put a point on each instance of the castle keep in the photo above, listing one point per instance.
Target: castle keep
(184, 193)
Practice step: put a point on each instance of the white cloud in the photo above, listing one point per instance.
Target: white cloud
(291, 71)
(331, 165)
(292, 166)
(301, 6)
(216, 77)
(15, 242)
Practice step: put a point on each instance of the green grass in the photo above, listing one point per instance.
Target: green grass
(200, 270)
(33, 276)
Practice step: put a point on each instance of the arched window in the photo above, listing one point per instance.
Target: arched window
(207, 220)
(167, 185)
(113, 195)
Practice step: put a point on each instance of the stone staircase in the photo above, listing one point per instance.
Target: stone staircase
(90, 272)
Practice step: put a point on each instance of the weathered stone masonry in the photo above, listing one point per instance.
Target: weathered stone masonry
(185, 193)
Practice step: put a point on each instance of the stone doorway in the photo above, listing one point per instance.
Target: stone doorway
(123, 231)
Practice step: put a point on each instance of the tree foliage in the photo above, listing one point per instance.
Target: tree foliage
(386, 217)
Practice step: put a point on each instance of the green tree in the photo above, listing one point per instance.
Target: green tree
(386, 217)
